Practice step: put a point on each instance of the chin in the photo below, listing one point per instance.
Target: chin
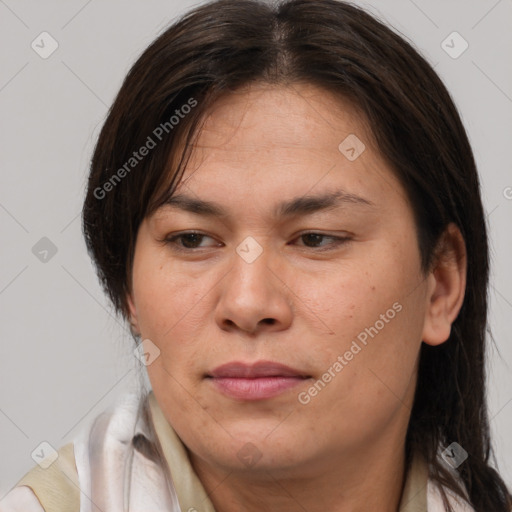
(265, 450)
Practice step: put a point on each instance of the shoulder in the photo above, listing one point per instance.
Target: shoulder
(21, 499)
(111, 460)
(51, 486)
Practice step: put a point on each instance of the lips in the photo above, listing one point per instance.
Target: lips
(255, 371)
(258, 381)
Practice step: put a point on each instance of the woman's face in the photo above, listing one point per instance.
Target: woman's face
(313, 264)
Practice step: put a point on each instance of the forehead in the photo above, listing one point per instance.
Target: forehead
(299, 117)
(265, 142)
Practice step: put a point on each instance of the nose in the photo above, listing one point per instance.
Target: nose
(254, 296)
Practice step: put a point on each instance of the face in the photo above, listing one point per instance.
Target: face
(311, 262)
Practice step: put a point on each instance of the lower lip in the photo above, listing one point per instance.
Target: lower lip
(255, 389)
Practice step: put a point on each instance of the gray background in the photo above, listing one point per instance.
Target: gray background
(64, 357)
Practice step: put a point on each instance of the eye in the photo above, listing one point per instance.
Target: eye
(313, 239)
(187, 241)
(190, 241)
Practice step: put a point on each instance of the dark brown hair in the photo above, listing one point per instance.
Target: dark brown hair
(226, 44)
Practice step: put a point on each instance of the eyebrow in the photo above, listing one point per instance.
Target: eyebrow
(297, 206)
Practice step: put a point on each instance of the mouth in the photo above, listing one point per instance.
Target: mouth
(258, 381)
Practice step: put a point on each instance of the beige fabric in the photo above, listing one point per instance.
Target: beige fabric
(414, 494)
(57, 486)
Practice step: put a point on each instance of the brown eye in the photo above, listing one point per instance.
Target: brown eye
(188, 241)
(313, 240)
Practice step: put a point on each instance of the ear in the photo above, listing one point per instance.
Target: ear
(134, 322)
(447, 285)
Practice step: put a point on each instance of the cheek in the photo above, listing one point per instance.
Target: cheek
(378, 335)
(174, 308)
(379, 305)
(168, 299)
(353, 294)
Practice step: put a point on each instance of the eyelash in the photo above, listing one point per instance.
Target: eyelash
(172, 241)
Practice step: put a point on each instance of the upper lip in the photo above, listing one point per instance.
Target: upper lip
(239, 370)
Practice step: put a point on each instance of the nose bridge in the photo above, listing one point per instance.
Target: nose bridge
(252, 293)
(251, 272)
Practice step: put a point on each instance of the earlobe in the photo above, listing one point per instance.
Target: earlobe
(447, 285)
